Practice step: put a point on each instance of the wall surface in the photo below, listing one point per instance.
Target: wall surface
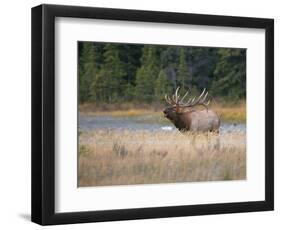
(15, 114)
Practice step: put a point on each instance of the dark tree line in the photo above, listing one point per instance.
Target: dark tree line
(111, 72)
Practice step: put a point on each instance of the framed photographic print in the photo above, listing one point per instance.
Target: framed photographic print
(136, 114)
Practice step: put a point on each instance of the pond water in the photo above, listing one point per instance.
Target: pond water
(87, 123)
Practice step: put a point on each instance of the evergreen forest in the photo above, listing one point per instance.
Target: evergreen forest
(120, 73)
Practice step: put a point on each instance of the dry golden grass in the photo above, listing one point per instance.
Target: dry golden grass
(143, 157)
(232, 113)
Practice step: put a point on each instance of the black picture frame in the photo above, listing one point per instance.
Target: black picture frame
(43, 114)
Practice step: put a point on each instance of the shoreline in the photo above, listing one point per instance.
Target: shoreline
(228, 113)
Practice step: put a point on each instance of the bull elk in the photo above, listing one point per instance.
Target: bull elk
(186, 117)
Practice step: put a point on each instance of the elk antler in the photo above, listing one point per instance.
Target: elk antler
(175, 98)
(201, 100)
(176, 101)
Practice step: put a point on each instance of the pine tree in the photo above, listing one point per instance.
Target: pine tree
(110, 84)
(87, 71)
(147, 74)
(130, 56)
(162, 85)
(201, 62)
(230, 74)
(184, 77)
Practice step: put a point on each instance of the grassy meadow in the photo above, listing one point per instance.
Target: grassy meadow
(136, 157)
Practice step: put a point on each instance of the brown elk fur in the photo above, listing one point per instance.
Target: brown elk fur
(191, 119)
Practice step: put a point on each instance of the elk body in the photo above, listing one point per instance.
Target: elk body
(186, 117)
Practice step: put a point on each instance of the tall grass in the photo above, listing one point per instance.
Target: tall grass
(142, 157)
